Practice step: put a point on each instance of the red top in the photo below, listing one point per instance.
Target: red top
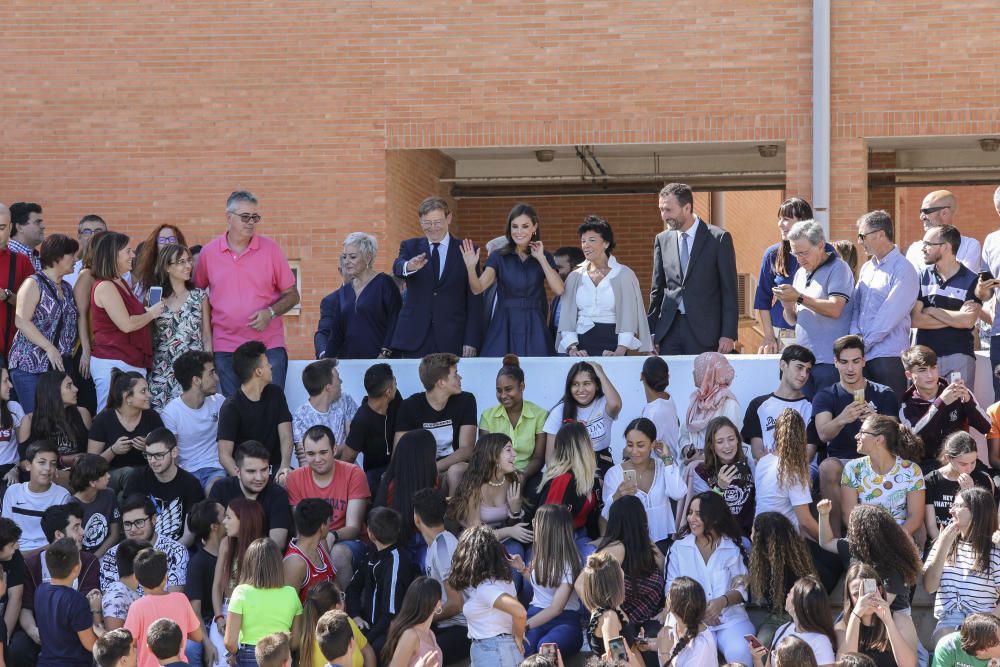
(110, 342)
(22, 269)
(314, 574)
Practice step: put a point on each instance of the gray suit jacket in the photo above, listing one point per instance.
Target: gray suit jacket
(708, 289)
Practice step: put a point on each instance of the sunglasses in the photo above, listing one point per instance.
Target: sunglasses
(932, 209)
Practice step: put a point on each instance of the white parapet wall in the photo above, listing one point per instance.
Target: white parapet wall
(545, 380)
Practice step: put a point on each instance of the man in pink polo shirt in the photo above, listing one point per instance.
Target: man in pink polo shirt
(250, 286)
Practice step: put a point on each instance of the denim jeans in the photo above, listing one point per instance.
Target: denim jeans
(24, 388)
(229, 383)
(246, 656)
(499, 651)
(193, 651)
(206, 475)
(563, 630)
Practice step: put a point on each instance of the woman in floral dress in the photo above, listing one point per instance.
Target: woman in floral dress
(186, 324)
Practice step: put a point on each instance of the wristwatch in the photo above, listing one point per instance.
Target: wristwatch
(801, 299)
(270, 309)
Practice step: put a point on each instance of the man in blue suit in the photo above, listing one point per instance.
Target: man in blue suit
(436, 311)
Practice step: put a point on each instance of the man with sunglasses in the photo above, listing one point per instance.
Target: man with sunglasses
(250, 286)
(140, 522)
(174, 491)
(939, 208)
(946, 313)
(887, 288)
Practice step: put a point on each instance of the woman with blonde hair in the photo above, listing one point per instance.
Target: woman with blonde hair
(321, 598)
(261, 604)
(602, 591)
(712, 397)
(782, 476)
(358, 320)
(570, 479)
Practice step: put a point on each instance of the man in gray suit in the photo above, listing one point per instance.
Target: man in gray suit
(693, 304)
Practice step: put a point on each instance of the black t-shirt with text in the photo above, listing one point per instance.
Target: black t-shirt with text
(173, 500)
(444, 425)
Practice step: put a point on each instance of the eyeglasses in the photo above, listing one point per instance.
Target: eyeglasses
(187, 261)
(138, 524)
(801, 253)
(871, 433)
(166, 240)
(928, 243)
(247, 218)
(433, 223)
(89, 232)
(862, 235)
(156, 456)
(932, 209)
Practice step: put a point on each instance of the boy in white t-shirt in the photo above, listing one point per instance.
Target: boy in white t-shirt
(194, 416)
(25, 503)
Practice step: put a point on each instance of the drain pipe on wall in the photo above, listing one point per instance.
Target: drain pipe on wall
(821, 114)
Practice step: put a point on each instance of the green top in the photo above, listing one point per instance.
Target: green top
(264, 610)
(495, 420)
(949, 653)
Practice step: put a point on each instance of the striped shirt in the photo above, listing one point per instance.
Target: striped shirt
(947, 294)
(962, 587)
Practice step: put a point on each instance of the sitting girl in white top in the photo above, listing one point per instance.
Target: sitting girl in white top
(685, 640)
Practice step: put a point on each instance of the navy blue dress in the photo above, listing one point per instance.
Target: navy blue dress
(360, 328)
(518, 323)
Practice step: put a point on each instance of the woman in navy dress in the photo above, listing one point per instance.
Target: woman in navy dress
(360, 317)
(521, 270)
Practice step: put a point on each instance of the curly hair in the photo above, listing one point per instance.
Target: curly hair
(777, 552)
(876, 539)
(478, 558)
(984, 525)
(790, 448)
(686, 601)
(483, 468)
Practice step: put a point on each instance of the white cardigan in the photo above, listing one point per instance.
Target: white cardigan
(668, 482)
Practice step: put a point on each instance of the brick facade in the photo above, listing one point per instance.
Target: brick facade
(333, 113)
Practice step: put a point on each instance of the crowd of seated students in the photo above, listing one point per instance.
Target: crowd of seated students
(439, 527)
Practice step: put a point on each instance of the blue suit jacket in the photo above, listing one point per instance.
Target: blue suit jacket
(447, 302)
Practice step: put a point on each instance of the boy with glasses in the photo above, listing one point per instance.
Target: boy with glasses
(174, 491)
(140, 522)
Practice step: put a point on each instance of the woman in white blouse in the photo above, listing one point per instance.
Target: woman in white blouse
(710, 551)
(602, 311)
(649, 473)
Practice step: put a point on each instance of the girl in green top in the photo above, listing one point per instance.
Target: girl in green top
(517, 418)
(261, 604)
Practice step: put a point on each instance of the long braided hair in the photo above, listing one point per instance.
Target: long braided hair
(686, 601)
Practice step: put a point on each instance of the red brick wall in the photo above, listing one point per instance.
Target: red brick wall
(150, 112)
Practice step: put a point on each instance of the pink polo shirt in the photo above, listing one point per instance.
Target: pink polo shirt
(239, 286)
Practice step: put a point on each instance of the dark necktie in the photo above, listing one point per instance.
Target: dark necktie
(435, 260)
(685, 253)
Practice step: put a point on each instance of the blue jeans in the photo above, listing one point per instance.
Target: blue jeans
(246, 656)
(193, 651)
(24, 387)
(229, 383)
(206, 475)
(499, 651)
(563, 630)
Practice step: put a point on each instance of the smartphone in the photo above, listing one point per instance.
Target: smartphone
(630, 475)
(868, 586)
(859, 395)
(754, 642)
(155, 294)
(985, 275)
(548, 650)
(618, 652)
(955, 376)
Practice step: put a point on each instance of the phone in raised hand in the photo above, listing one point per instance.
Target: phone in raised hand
(155, 294)
(548, 650)
(753, 641)
(630, 475)
(617, 646)
(868, 586)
